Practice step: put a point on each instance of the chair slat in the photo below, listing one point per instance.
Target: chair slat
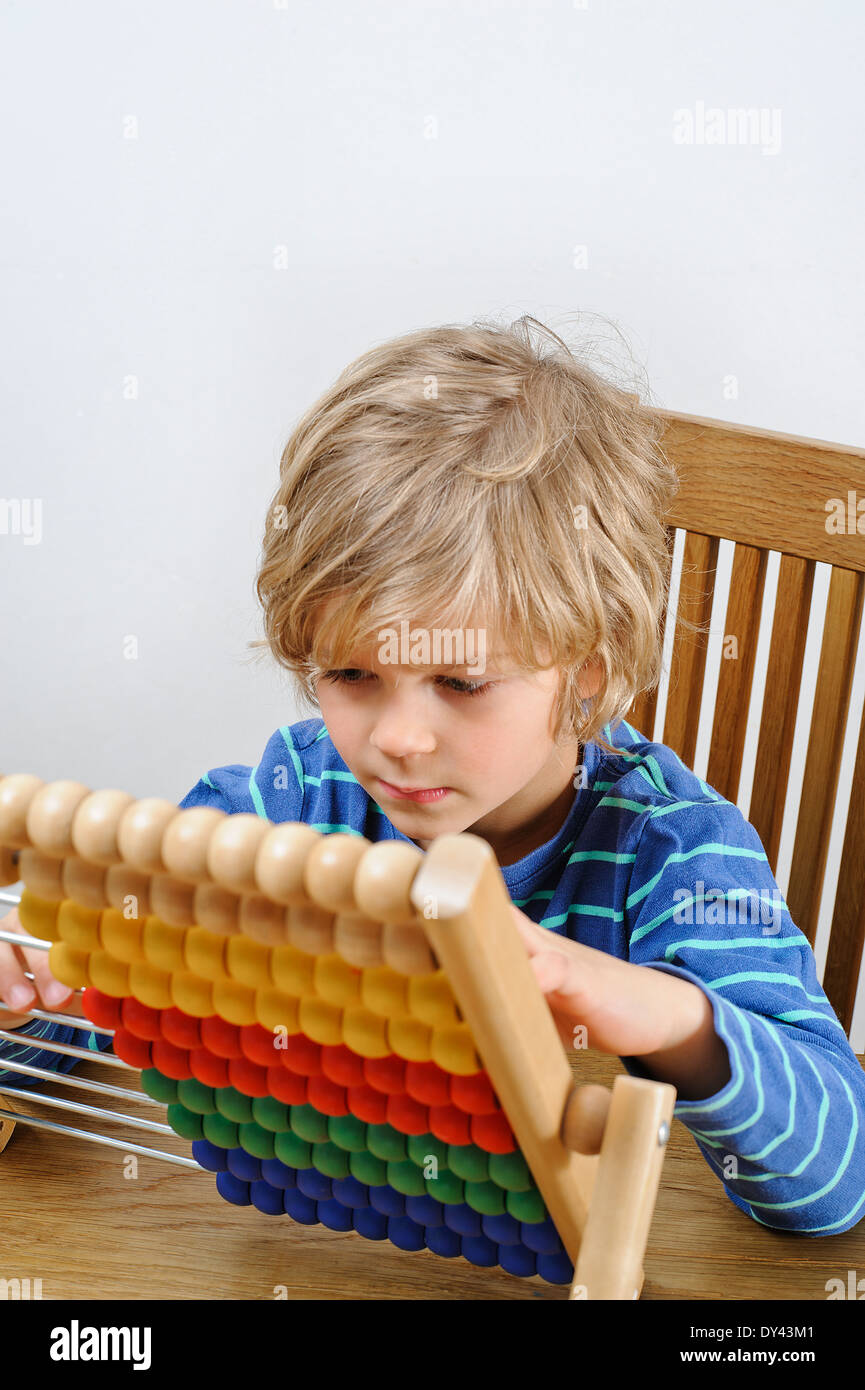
(781, 701)
(825, 746)
(742, 624)
(696, 591)
(847, 936)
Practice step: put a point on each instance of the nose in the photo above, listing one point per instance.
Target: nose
(402, 727)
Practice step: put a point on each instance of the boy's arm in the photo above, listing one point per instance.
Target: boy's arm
(786, 1132)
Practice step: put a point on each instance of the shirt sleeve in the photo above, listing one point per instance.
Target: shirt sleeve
(786, 1134)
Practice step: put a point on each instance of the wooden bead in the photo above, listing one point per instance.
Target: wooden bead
(216, 909)
(405, 948)
(310, 929)
(263, 920)
(383, 879)
(330, 869)
(85, 882)
(128, 890)
(186, 840)
(16, 793)
(42, 875)
(9, 870)
(358, 941)
(280, 862)
(95, 825)
(232, 851)
(140, 832)
(585, 1118)
(172, 901)
(51, 813)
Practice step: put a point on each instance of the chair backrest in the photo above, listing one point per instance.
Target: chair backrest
(804, 498)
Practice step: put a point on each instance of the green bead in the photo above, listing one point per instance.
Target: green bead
(158, 1086)
(422, 1147)
(526, 1206)
(469, 1162)
(447, 1187)
(309, 1124)
(486, 1198)
(330, 1160)
(257, 1141)
(511, 1172)
(220, 1131)
(407, 1178)
(233, 1104)
(386, 1142)
(347, 1132)
(197, 1097)
(368, 1169)
(292, 1150)
(271, 1114)
(185, 1122)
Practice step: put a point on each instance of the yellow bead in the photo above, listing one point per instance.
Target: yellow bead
(385, 992)
(293, 970)
(431, 1000)
(275, 1009)
(69, 966)
(409, 1038)
(204, 953)
(365, 1032)
(248, 961)
(38, 917)
(78, 926)
(234, 1002)
(336, 981)
(108, 975)
(150, 985)
(192, 994)
(121, 936)
(320, 1021)
(453, 1050)
(163, 944)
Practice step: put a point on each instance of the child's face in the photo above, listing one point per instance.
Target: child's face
(413, 726)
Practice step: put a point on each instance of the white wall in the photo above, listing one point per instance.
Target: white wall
(419, 163)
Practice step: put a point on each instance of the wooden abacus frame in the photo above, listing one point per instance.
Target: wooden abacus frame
(595, 1153)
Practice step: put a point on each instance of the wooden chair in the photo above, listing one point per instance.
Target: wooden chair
(769, 491)
(334, 979)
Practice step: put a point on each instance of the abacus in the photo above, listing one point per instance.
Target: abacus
(347, 1032)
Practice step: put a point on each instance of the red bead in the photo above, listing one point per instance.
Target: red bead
(300, 1054)
(327, 1097)
(258, 1044)
(129, 1048)
(170, 1060)
(342, 1066)
(407, 1115)
(385, 1074)
(221, 1037)
(102, 1009)
(367, 1104)
(427, 1083)
(247, 1077)
(139, 1019)
(493, 1133)
(449, 1124)
(181, 1029)
(287, 1086)
(207, 1068)
(474, 1094)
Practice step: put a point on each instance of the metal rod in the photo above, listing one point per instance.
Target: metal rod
(49, 1045)
(28, 943)
(70, 1020)
(84, 1083)
(98, 1138)
(12, 898)
(78, 1108)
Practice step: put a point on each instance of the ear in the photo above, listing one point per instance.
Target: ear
(591, 677)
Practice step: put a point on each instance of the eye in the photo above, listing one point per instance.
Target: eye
(352, 676)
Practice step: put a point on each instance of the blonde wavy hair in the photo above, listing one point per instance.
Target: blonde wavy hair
(459, 469)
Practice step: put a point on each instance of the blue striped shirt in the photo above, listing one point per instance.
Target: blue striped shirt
(654, 866)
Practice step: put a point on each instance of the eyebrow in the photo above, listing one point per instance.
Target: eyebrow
(457, 666)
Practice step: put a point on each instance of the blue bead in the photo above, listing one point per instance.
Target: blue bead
(541, 1236)
(277, 1173)
(333, 1214)
(232, 1189)
(267, 1198)
(516, 1259)
(351, 1192)
(556, 1269)
(460, 1217)
(405, 1234)
(387, 1200)
(210, 1156)
(299, 1208)
(370, 1223)
(480, 1251)
(425, 1210)
(442, 1241)
(314, 1184)
(502, 1229)
(243, 1165)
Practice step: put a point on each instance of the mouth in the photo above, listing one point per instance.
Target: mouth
(420, 794)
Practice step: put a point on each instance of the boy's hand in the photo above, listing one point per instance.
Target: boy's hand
(49, 994)
(628, 1010)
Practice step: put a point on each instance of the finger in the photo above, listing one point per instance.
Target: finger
(15, 989)
(18, 959)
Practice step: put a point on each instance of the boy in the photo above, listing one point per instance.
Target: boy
(514, 500)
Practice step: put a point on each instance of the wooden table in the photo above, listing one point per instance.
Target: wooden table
(69, 1217)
